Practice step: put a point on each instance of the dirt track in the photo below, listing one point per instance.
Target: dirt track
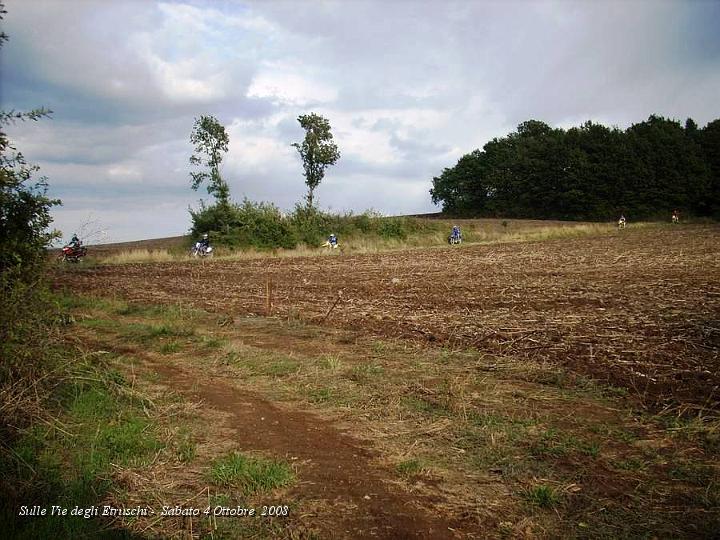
(640, 308)
(337, 473)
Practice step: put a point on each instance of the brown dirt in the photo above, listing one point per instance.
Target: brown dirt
(336, 471)
(640, 308)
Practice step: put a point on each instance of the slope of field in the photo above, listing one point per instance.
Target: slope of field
(412, 233)
(382, 438)
(640, 308)
(172, 242)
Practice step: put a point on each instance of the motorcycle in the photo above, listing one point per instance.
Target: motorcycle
(201, 251)
(454, 239)
(72, 254)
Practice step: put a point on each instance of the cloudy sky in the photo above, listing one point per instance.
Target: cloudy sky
(408, 87)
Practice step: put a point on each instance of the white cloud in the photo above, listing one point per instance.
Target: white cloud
(408, 88)
(290, 86)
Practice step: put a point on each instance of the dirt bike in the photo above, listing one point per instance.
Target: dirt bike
(72, 254)
(201, 251)
(454, 240)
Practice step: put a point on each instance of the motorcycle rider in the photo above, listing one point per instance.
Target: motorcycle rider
(456, 235)
(204, 244)
(332, 240)
(75, 242)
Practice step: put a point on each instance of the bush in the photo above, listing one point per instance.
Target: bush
(310, 224)
(260, 225)
(217, 218)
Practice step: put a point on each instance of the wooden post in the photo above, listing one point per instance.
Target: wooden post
(331, 308)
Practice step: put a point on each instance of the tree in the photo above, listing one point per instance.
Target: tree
(710, 142)
(211, 141)
(24, 204)
(461, 188)
(588, 172)
(317, 151)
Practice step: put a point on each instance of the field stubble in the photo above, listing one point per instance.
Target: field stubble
(638, 308)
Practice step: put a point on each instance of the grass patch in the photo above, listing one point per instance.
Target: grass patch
(103, 424)
(250, 474)
(409, 467)
(543, 496)
(140, 256)
(170, 347)
(630, 464)
(321, 395)
(423, 405)
(212, 342)
(555, 444)
(97, 323)
(186, 447)
(365, 372)
(256, 362)
(144, 333)
(371, 233)
(330, 363)
(549, 446)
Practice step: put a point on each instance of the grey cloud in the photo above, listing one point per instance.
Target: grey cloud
(421, 82)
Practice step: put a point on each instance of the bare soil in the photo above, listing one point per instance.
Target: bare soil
(638, 308)
(337, 473)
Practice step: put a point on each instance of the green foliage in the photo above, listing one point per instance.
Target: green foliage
(311, 225)
(262, 225)
(24, 205)
(102, 426)
(709, 140)
(27, 316)
(211, 141)
(409, 467)
(317, 151)
(588, 172)
(250, 475)
(543, 496)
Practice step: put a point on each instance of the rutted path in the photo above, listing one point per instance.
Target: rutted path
(334, 469)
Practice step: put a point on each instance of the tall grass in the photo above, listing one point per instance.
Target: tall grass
(408, 233)
(67, 419)
(140, 255)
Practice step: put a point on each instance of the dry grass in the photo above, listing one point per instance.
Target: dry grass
(498, 436)
(475, 232)
(140, 255)
(581, 302)
(520, 448)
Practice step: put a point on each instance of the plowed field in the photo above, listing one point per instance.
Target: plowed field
(639, 308)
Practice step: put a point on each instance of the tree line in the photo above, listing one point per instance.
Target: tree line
(590, 172)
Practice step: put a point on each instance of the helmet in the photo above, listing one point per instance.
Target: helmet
(205, 235)
(332, 234)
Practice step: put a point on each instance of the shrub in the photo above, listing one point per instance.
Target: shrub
(260, 225)
(263, 226)
(310, 224)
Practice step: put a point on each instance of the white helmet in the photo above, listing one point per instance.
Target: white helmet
(205, 235)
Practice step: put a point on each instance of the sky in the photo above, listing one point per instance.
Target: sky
(408, 86)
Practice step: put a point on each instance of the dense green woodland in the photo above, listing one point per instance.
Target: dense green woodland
(590, 172)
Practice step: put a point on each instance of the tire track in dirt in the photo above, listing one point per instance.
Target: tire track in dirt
(334, 468)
